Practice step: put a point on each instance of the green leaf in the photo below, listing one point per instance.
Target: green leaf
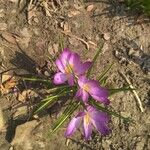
(109, 112)
(37, 80)
(95, 58)
(73, 105)
(58, 88)
(61, 43)
(50, 100)
(102, 75)
(123, 89)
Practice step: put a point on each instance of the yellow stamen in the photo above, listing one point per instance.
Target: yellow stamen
(86, 87)
(87, 118)
(69, 68)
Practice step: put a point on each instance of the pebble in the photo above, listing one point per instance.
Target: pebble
(3, 26)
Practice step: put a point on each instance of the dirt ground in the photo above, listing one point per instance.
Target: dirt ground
(30, 33)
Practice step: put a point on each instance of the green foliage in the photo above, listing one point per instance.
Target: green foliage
(73, 105)
(141, 5)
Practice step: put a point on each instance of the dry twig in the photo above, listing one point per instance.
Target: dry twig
(134, 92)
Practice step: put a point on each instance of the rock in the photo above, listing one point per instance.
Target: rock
(4, 145)
(23, 135)
(3, 26)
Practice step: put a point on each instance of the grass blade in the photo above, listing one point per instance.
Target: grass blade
(50, 100)
(66, 114)
(94, 59)
(109, 112)
(123, 89)
(102, 75)
(37, 80)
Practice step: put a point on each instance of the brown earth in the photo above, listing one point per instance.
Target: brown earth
(28, 38)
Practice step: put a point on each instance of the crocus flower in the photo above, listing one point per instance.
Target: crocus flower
(90, 118)
(91, 87)
(69, 65)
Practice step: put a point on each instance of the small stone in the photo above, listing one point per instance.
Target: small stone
(36, 20)
(23, 135)
(106, 36)
(90, 8)
(3, 26)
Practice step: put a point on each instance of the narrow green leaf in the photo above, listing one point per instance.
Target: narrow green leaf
(50, 100)
(103, 81)
(123, 89)
(109, 112)
(102, 75)
(66, 114)
(37, 80)
(61, 43)
(94, 59)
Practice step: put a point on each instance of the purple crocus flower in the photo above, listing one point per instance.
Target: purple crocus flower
(70, 65)
(91, 118)
(91, 87)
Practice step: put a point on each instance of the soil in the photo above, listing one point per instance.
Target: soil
(30, 37)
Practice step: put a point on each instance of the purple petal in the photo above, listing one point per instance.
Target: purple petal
(74, 60)
(60, 78)
(100, 121)
(79, 93)
(73, 125)
(70, 79)
(60, 65)
(83, 68)
(85, 96)
(82, 81)
(65, 55)
(97, 92)
(100, 97)
(87, 126)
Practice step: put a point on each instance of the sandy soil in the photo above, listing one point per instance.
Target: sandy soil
(39, 31)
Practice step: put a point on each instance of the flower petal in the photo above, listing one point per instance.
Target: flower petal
(100, 121)
(65, 55)
(83, 67)
(70, 79)
(79, 93)
(73, 125)
(85, 96)
(74, 60)
(82, 81)
(87, 126)
(59, 78)
(97, 92)
(60, 65)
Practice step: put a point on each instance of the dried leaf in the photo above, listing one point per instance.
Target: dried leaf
(90, 8)
(7, 76)
(9, 37)
(26, 94)
(73, 13)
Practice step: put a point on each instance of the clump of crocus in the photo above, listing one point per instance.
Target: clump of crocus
(70, 66)
(90, 118)
(91, 87)
(73, 70)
